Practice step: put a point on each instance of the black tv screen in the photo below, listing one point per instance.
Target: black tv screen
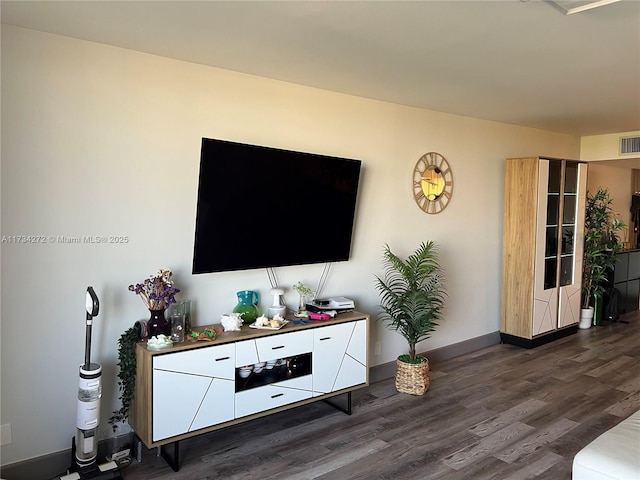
(261, 207)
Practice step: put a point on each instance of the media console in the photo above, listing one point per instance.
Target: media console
(194, 388)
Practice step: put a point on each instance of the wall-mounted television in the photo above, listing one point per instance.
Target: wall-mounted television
(263, 207)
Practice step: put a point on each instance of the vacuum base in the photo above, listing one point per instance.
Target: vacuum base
(94, 471)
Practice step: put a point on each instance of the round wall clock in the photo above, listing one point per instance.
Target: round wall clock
(432, 183)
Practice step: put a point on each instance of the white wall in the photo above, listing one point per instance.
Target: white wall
(618, 181)
(604, 147)
(98, 140)
(597, 149)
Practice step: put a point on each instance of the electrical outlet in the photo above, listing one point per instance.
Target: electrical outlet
(5, 434)
(377, 349)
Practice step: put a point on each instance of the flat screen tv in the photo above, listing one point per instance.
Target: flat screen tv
(261, 207)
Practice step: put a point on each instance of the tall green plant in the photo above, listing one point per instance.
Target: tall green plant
(412, 295)
(601, 243)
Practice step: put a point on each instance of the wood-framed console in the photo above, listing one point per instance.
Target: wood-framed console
(194, 388)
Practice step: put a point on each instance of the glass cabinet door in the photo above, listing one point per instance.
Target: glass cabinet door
(552, 225)
(569, 209)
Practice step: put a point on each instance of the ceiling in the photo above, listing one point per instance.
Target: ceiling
(518, 62)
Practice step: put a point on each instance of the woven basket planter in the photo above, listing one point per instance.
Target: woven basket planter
(412, 378)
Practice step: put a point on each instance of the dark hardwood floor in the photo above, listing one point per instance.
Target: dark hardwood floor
(502, 412)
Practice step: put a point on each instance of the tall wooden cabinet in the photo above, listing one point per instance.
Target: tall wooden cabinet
(542, 249)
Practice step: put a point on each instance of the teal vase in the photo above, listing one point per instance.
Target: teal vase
(247, 305)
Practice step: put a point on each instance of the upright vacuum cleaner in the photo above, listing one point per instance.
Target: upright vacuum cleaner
(85, 443)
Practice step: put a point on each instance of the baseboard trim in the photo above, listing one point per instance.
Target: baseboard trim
(55, 464)
(50, 466)
(388, 370)
(538, 341)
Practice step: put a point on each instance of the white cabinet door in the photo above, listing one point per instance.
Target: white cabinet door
(545, 294)
(217, 405)
(339, 356)
(192, 390)
(572, 249)
(173, 411)
(357, 348)
(559, 245)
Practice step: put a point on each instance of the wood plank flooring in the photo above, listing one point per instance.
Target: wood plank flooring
(501, 412)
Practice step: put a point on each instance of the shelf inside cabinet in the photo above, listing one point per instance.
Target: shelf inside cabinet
(285, 369)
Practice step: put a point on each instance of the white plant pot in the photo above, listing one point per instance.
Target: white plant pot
(586, 318)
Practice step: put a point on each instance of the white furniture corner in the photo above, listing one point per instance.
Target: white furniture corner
(614, 455)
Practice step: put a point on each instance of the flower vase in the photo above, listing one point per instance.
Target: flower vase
(158, 325)
(302, 306)
(247, 305)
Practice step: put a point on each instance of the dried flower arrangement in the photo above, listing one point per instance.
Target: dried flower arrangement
(157, 292)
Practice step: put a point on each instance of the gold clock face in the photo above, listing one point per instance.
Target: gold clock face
(432, 183)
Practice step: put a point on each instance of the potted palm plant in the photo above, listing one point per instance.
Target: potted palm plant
(601, 243)
(412, 301)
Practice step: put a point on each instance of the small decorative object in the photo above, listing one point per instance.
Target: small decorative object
(262, 321)
(158, 342)
(304, 292)
(231, 322)
(276, 323)
(247, 305)
(157, 293)
(207, 335)
(277, 307)
(158, 324)
(183, 307)
(412, 300)
(119, 447)
(432, 183)
(177, 326)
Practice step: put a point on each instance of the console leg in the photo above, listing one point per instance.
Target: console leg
(346, 409)
(172, 460)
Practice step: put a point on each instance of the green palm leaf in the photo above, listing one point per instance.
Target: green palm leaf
(412, 294)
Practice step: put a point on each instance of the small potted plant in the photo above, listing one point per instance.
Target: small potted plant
(412, 301)
(304, 292)
(601, 243)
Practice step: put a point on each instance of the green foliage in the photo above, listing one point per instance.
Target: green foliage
(406, 358)
(412, 294)
(126, 374)
(601, 243)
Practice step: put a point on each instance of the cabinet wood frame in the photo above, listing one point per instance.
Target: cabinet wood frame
(524, 299)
